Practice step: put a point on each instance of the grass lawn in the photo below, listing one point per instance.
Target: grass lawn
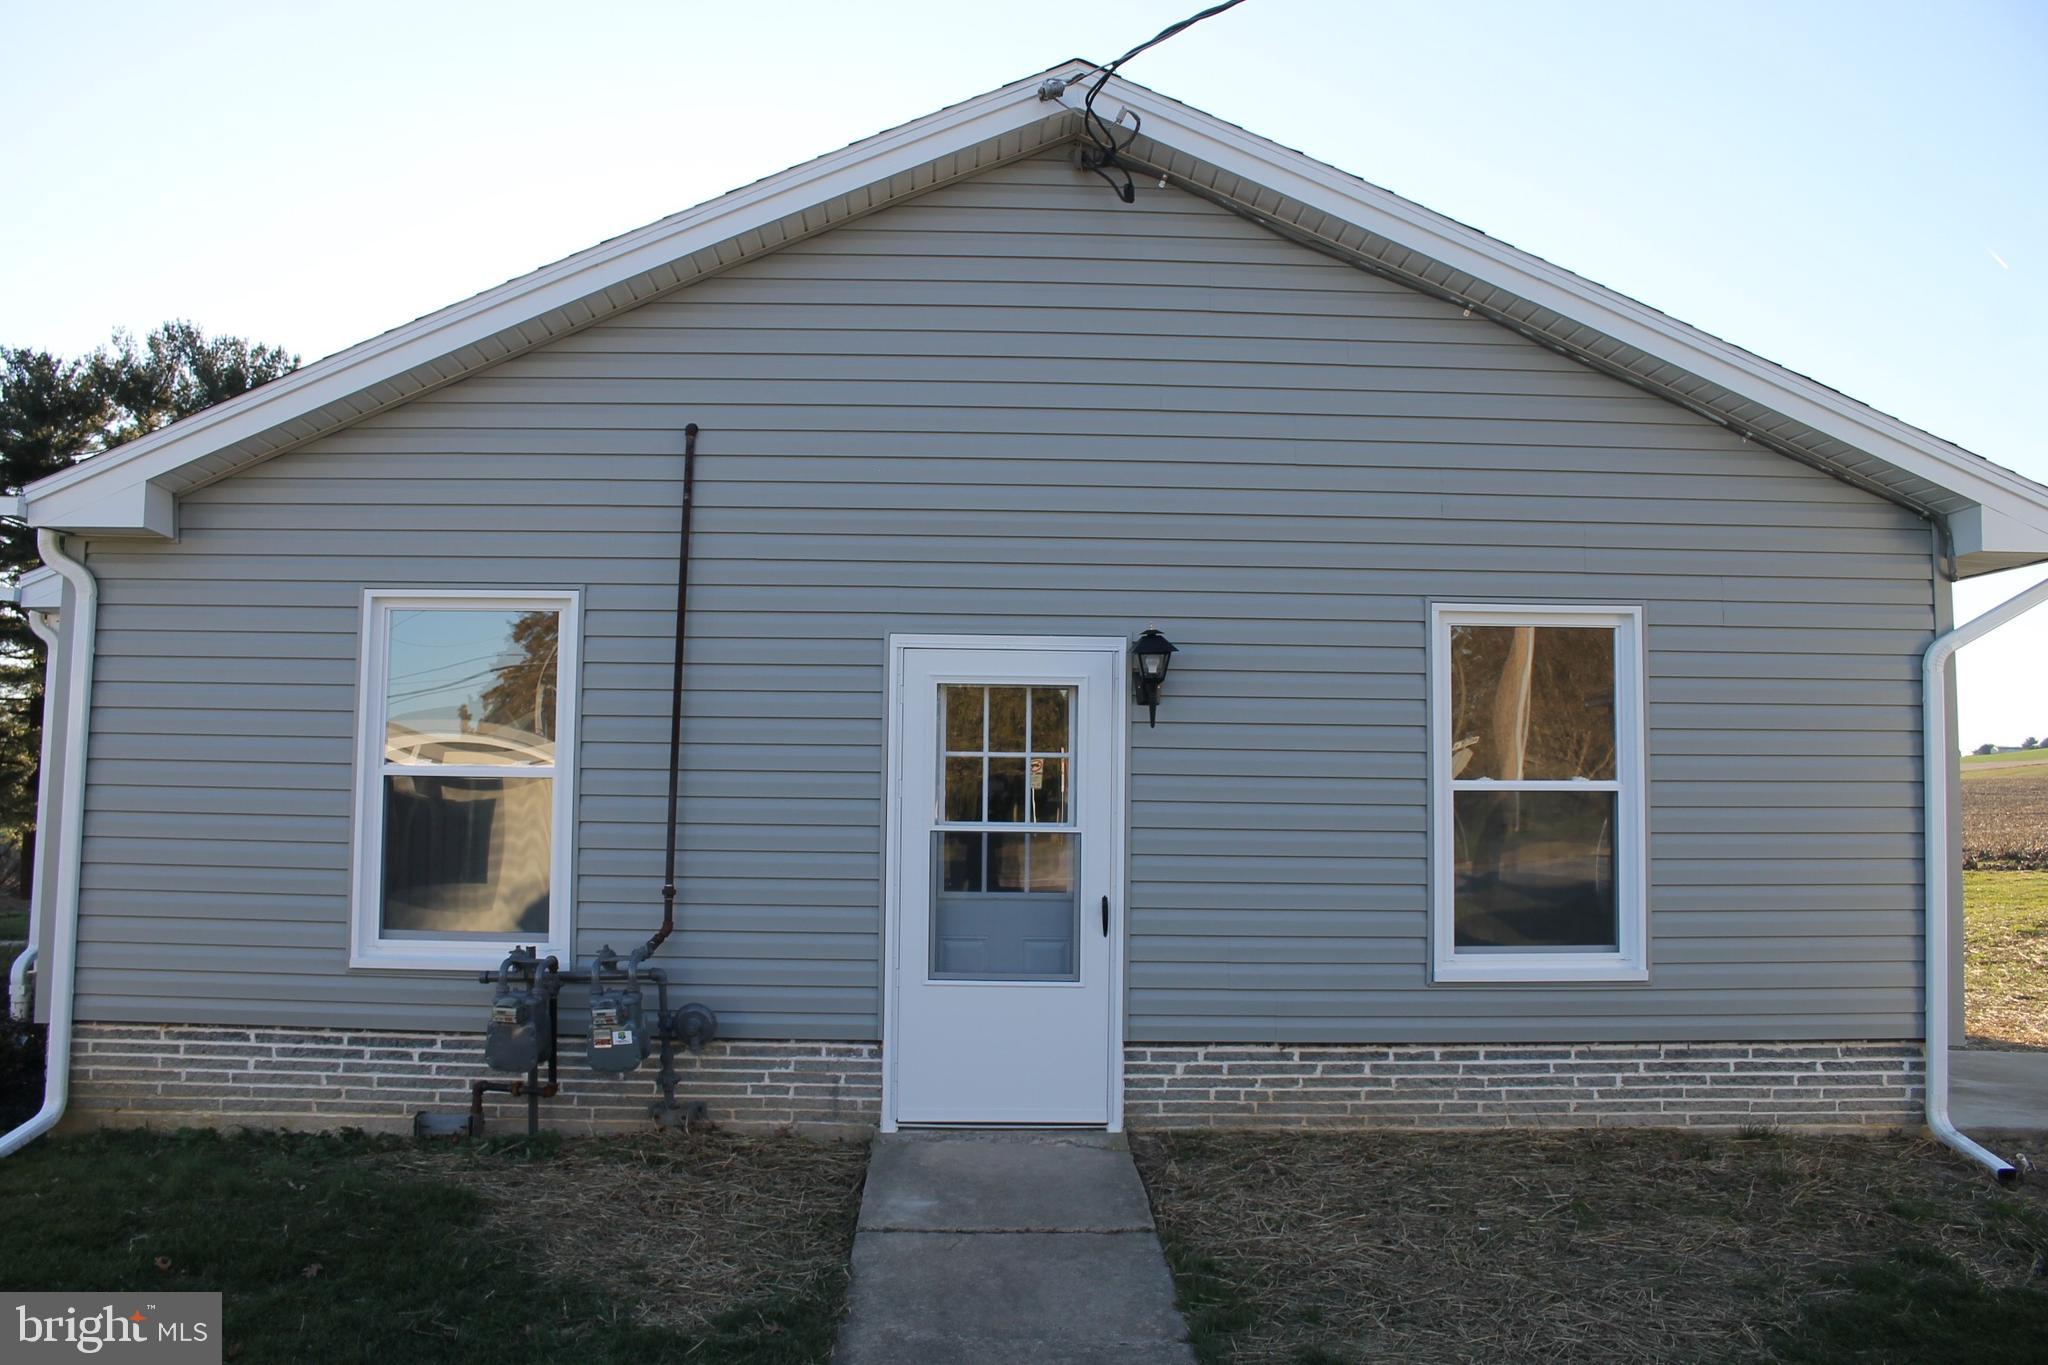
(1604, 1246)
(704, 1247)
(2005, 958)
(2018, 758)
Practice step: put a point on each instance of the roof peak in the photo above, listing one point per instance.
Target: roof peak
(1998, 519)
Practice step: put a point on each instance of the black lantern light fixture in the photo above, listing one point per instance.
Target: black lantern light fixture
(1150, 657)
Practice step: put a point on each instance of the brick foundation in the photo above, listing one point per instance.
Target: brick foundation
(1573, 1085)
(315, 1078)
(319, 1078)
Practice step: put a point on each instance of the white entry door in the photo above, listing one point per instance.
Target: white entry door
(1006, 867)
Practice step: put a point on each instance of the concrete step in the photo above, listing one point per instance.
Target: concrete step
(1000, 1247)
(1003, 1182)
(2003, 1091)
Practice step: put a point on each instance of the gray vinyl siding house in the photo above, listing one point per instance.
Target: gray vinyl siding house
(988, 400)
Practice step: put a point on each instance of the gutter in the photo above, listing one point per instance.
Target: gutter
(17, 976)
(61, 979)
(1936, 765)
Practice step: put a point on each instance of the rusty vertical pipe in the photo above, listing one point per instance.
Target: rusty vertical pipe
(675, 714)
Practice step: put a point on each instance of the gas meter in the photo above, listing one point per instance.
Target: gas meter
(521, 1028)
(618, 1041)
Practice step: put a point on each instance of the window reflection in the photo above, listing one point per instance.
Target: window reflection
(466, 855)
(963, 718)
(963, 789)
(1532, 703)
(471, 686)
(1006, 759)
(1006, 789)
(1006, 711)
(973, 862)
(1004, 902)
(1535, 870)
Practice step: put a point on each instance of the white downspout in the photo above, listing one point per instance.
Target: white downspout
(17, 976)
(1936, 764)
(62, 930)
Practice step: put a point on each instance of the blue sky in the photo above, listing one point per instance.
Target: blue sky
(1856, 190)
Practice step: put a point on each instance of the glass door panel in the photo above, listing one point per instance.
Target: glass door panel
(1004, 844)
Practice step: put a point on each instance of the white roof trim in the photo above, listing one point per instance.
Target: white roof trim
(39, 590)
(1997, 517)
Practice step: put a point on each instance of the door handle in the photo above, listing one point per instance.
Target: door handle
(1105, 917)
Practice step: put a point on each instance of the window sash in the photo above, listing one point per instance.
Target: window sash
(1492, 784)
(469, 770)
(1628, 962)
(370, 946)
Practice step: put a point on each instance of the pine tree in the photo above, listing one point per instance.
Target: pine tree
(55, 412)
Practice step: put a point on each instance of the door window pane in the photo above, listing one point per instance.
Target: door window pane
(960, 862)
(963, 789)
(1532, 703)
(1052, 862)
(1006, 789)
(466, 857)
(963, 717)
(1023, 926)
(1004, 905)
(1049, 791)
(1534, 871)
(1007, 862)
(1006, 712)
(1049, 720)
(471, 686)
(1025, 774)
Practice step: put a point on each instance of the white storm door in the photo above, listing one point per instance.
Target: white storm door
(1006, 857)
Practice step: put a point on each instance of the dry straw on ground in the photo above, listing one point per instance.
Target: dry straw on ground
(1603, 1246)
(685, 1228)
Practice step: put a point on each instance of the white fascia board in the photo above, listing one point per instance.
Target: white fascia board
(124, 504)
(1985, 530)
(2018, 501)
(104, 494)
(40, 590)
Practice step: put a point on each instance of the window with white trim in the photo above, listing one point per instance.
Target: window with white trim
(1536, 739)
(465, 793)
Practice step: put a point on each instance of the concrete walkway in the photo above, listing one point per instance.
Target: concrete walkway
(2005, 1091)
(1008, 1247)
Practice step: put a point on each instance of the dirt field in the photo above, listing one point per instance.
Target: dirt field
(2005, 815)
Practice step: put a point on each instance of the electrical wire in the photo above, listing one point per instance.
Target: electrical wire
(1106, 145)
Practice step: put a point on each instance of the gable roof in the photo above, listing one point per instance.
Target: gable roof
(1997, 519)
